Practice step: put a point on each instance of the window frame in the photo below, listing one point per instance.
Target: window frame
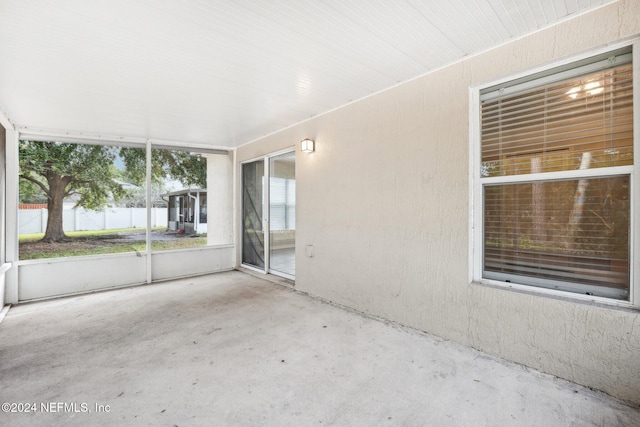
(477, 183)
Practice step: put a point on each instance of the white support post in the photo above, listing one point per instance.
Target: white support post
(220, 199)
(196, 213)
(266, 214)
(148, 197)
(234, 196)
(11, 245)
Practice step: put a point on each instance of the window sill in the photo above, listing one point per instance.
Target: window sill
(559, 295)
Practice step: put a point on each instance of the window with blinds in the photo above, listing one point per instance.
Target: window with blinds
(556, 159)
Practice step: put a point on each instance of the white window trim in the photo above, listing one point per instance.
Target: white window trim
(476, 208)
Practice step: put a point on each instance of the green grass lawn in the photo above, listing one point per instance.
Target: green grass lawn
(86, 233)
(100, 242)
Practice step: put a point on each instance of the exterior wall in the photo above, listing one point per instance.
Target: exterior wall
(183, 263)
(67, 276)
(220, 199)
(384, 201)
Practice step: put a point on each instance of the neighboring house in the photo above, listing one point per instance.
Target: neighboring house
(187, 210)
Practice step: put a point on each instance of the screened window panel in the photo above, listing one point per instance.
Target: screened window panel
(560, 233)
(551, 127)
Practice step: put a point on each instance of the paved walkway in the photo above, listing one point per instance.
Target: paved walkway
(233, 350)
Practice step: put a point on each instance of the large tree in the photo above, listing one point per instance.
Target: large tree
(89, 175)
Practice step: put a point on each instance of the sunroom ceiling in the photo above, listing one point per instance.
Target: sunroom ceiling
(227, 72)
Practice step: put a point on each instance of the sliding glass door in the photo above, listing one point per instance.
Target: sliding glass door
(269, 214)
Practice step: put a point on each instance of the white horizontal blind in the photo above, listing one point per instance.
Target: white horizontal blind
(571, 233)
(277, 204)
(574, 231)
(291, 204)
(282, 204)
(558, 122)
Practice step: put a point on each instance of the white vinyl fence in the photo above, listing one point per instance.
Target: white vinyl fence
(35, 220)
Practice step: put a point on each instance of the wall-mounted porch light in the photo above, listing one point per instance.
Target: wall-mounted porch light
(308, 145)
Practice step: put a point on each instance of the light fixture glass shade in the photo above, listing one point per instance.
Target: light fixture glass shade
(308, 145)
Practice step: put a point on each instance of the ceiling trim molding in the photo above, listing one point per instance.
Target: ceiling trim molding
(93, 138)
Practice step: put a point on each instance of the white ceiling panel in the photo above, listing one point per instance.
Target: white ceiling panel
(226, 72)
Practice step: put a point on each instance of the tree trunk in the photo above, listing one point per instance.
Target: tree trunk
(578, 198)
(55, 203)
(539, 235)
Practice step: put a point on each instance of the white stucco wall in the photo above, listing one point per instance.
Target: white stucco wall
(384, 200)
(220, 199)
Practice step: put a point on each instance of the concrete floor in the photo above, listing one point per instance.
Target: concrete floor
(231, 349)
